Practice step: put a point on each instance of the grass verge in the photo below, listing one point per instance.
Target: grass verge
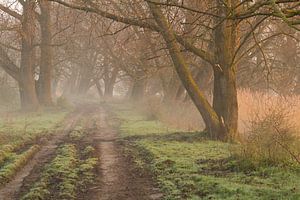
(16, 130)
(19, 135)
(189, 166)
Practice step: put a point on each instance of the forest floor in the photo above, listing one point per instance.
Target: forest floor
(111, 151)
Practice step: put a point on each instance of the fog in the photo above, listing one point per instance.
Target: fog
(228, 70)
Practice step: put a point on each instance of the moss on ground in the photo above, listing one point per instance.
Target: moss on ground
(189, 166)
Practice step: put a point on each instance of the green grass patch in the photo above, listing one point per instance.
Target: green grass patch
(19, 134)
(31, 123)
(134, 124)
(20, 129)
(14, 163)
(190, 166)
(77, 134)
(64, 176)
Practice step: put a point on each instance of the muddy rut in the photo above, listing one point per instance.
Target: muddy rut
(11, 189)
(117, 177)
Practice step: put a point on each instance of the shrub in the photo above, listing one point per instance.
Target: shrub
(271, 140)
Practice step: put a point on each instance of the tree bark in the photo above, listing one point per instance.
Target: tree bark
(212, 121)
(29, 100)
(225, 93)
(8, 65)
(45, 76)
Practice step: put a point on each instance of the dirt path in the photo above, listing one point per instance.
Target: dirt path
(10, 190)
(118, 178)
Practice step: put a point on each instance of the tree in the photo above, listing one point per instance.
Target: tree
(31, 94)
(223, 25)
(46, 66)
(29, 100)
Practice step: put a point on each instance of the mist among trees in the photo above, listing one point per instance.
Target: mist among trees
(219, 77)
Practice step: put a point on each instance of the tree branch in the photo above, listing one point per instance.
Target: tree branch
(7, 64)
(190, 47)
(11, 12)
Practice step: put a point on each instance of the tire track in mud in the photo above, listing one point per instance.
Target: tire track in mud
(10, 190)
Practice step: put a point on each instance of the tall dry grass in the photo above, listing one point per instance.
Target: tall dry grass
(251, 105)
(256, 105)
(269, 126)
(179, 115)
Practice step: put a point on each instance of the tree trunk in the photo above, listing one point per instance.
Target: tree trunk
(109, 82)
(225, 100)
(108, 89)
(8, 65)
(180, 91)
(54, 86)
(70, 86)
(138, 89)
(45, 77)
(225, 93)
(85, 77)
(169, 86)
(29, 100)
(99, 89)
(213, 123)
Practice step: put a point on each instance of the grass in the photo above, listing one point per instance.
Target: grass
(18, 129)
(189, 166)
(18, 139)
(15, 162)
(69, 173)
(136, 124)
(59, 175)
(64, 176)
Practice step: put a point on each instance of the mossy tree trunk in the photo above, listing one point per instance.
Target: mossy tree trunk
(212, 121)
(225, 92)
